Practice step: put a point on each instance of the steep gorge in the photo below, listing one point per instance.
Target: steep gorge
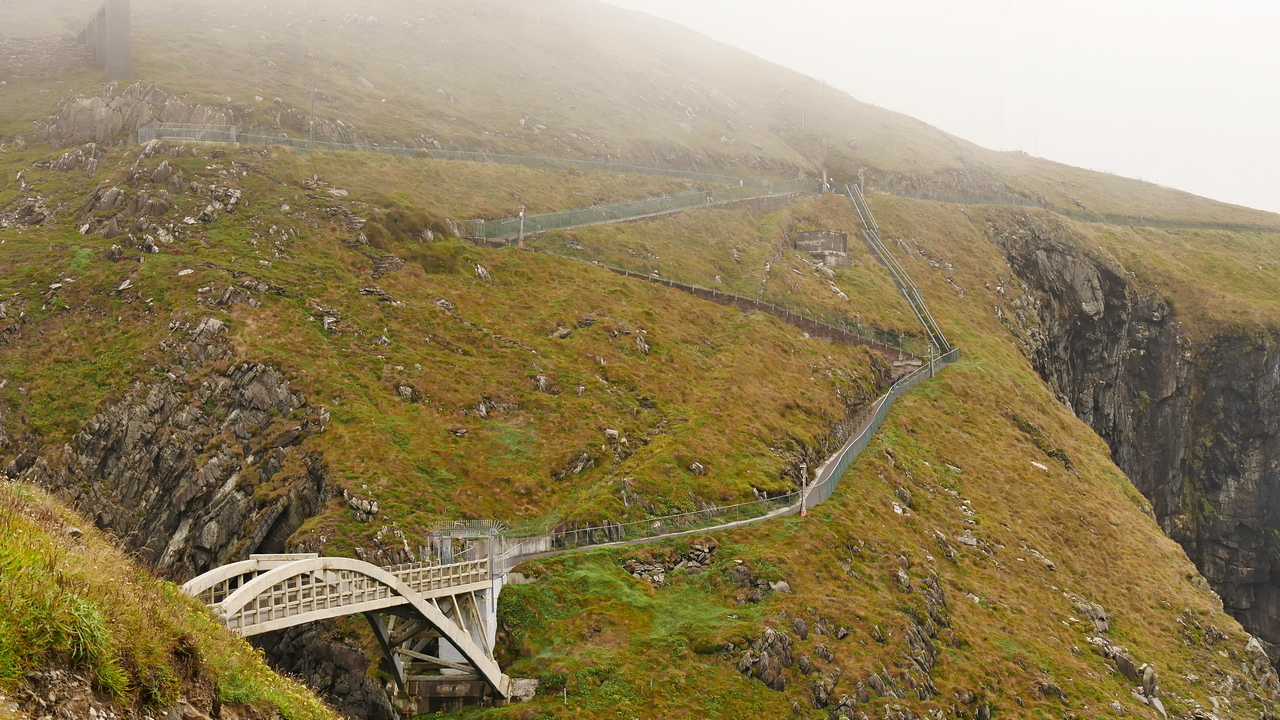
(1192, 418)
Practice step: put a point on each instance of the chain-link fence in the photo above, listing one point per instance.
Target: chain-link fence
(188, 133)
(671, 524)
(832, 474)
(510, 227)
(219, 133)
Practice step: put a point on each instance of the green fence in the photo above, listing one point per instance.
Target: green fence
(511, 227)
(826, 484)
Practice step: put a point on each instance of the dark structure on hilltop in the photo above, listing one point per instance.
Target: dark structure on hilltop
(110, 35)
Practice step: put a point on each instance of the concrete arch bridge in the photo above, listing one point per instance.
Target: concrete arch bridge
(435, 623)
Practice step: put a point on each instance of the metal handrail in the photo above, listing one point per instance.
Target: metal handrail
(871, 231)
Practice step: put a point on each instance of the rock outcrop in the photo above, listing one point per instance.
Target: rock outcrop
(332, 665)
(194, 477)
(1196, 426)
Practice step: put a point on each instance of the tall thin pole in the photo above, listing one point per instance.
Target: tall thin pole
(311, 127)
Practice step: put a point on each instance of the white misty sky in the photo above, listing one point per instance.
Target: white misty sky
(1179, 92)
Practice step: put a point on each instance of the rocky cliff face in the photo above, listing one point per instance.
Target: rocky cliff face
(330, 664)
(1196, 427)
(194, 471)
(203, 467)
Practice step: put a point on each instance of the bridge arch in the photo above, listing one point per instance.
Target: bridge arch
(268, 593)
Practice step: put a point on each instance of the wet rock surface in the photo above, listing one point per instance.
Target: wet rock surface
(172, 468)
(1195, 425)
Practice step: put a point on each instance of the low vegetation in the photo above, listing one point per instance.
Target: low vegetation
(71, 600)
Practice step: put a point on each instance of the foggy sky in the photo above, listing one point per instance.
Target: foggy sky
(1182, 93)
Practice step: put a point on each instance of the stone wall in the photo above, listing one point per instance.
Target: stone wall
(43, 56)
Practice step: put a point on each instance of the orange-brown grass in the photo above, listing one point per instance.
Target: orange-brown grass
(467, 190)
(697, 247)
(974, 431)
(742, 394)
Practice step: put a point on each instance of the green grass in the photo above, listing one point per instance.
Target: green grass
(80, 603)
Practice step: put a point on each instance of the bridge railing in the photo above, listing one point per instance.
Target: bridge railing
(426, 577)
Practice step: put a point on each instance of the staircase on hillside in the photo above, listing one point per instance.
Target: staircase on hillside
(871, 231)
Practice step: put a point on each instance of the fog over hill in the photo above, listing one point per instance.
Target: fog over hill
(213, 350)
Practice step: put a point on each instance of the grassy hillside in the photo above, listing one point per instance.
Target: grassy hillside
(1019, 552)
(984, 553)
(84, 626)
(478, 408)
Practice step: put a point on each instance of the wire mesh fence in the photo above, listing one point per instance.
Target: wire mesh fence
(511, 227)
(188, 133)
(219, 133)
(823, 490)
(671, 524)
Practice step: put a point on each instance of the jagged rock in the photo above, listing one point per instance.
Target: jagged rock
(766, 659)
(935, 600)
(698, 469)
(920, 647)
(1117, 708)
(821, 689)
(87, 157)
(143, 467)
(236, 296)
(561, 333)
(162, 173)
(483, 274)
(903, 580)
(96, 119)
(364, 510)
(1150, 681)
(333, 665)
(1095, 613)
(580, 463)
(1049, 689)
(1126, 667)
(26, 212)
(640, 343)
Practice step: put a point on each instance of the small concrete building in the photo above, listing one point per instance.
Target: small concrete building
(829, 246)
